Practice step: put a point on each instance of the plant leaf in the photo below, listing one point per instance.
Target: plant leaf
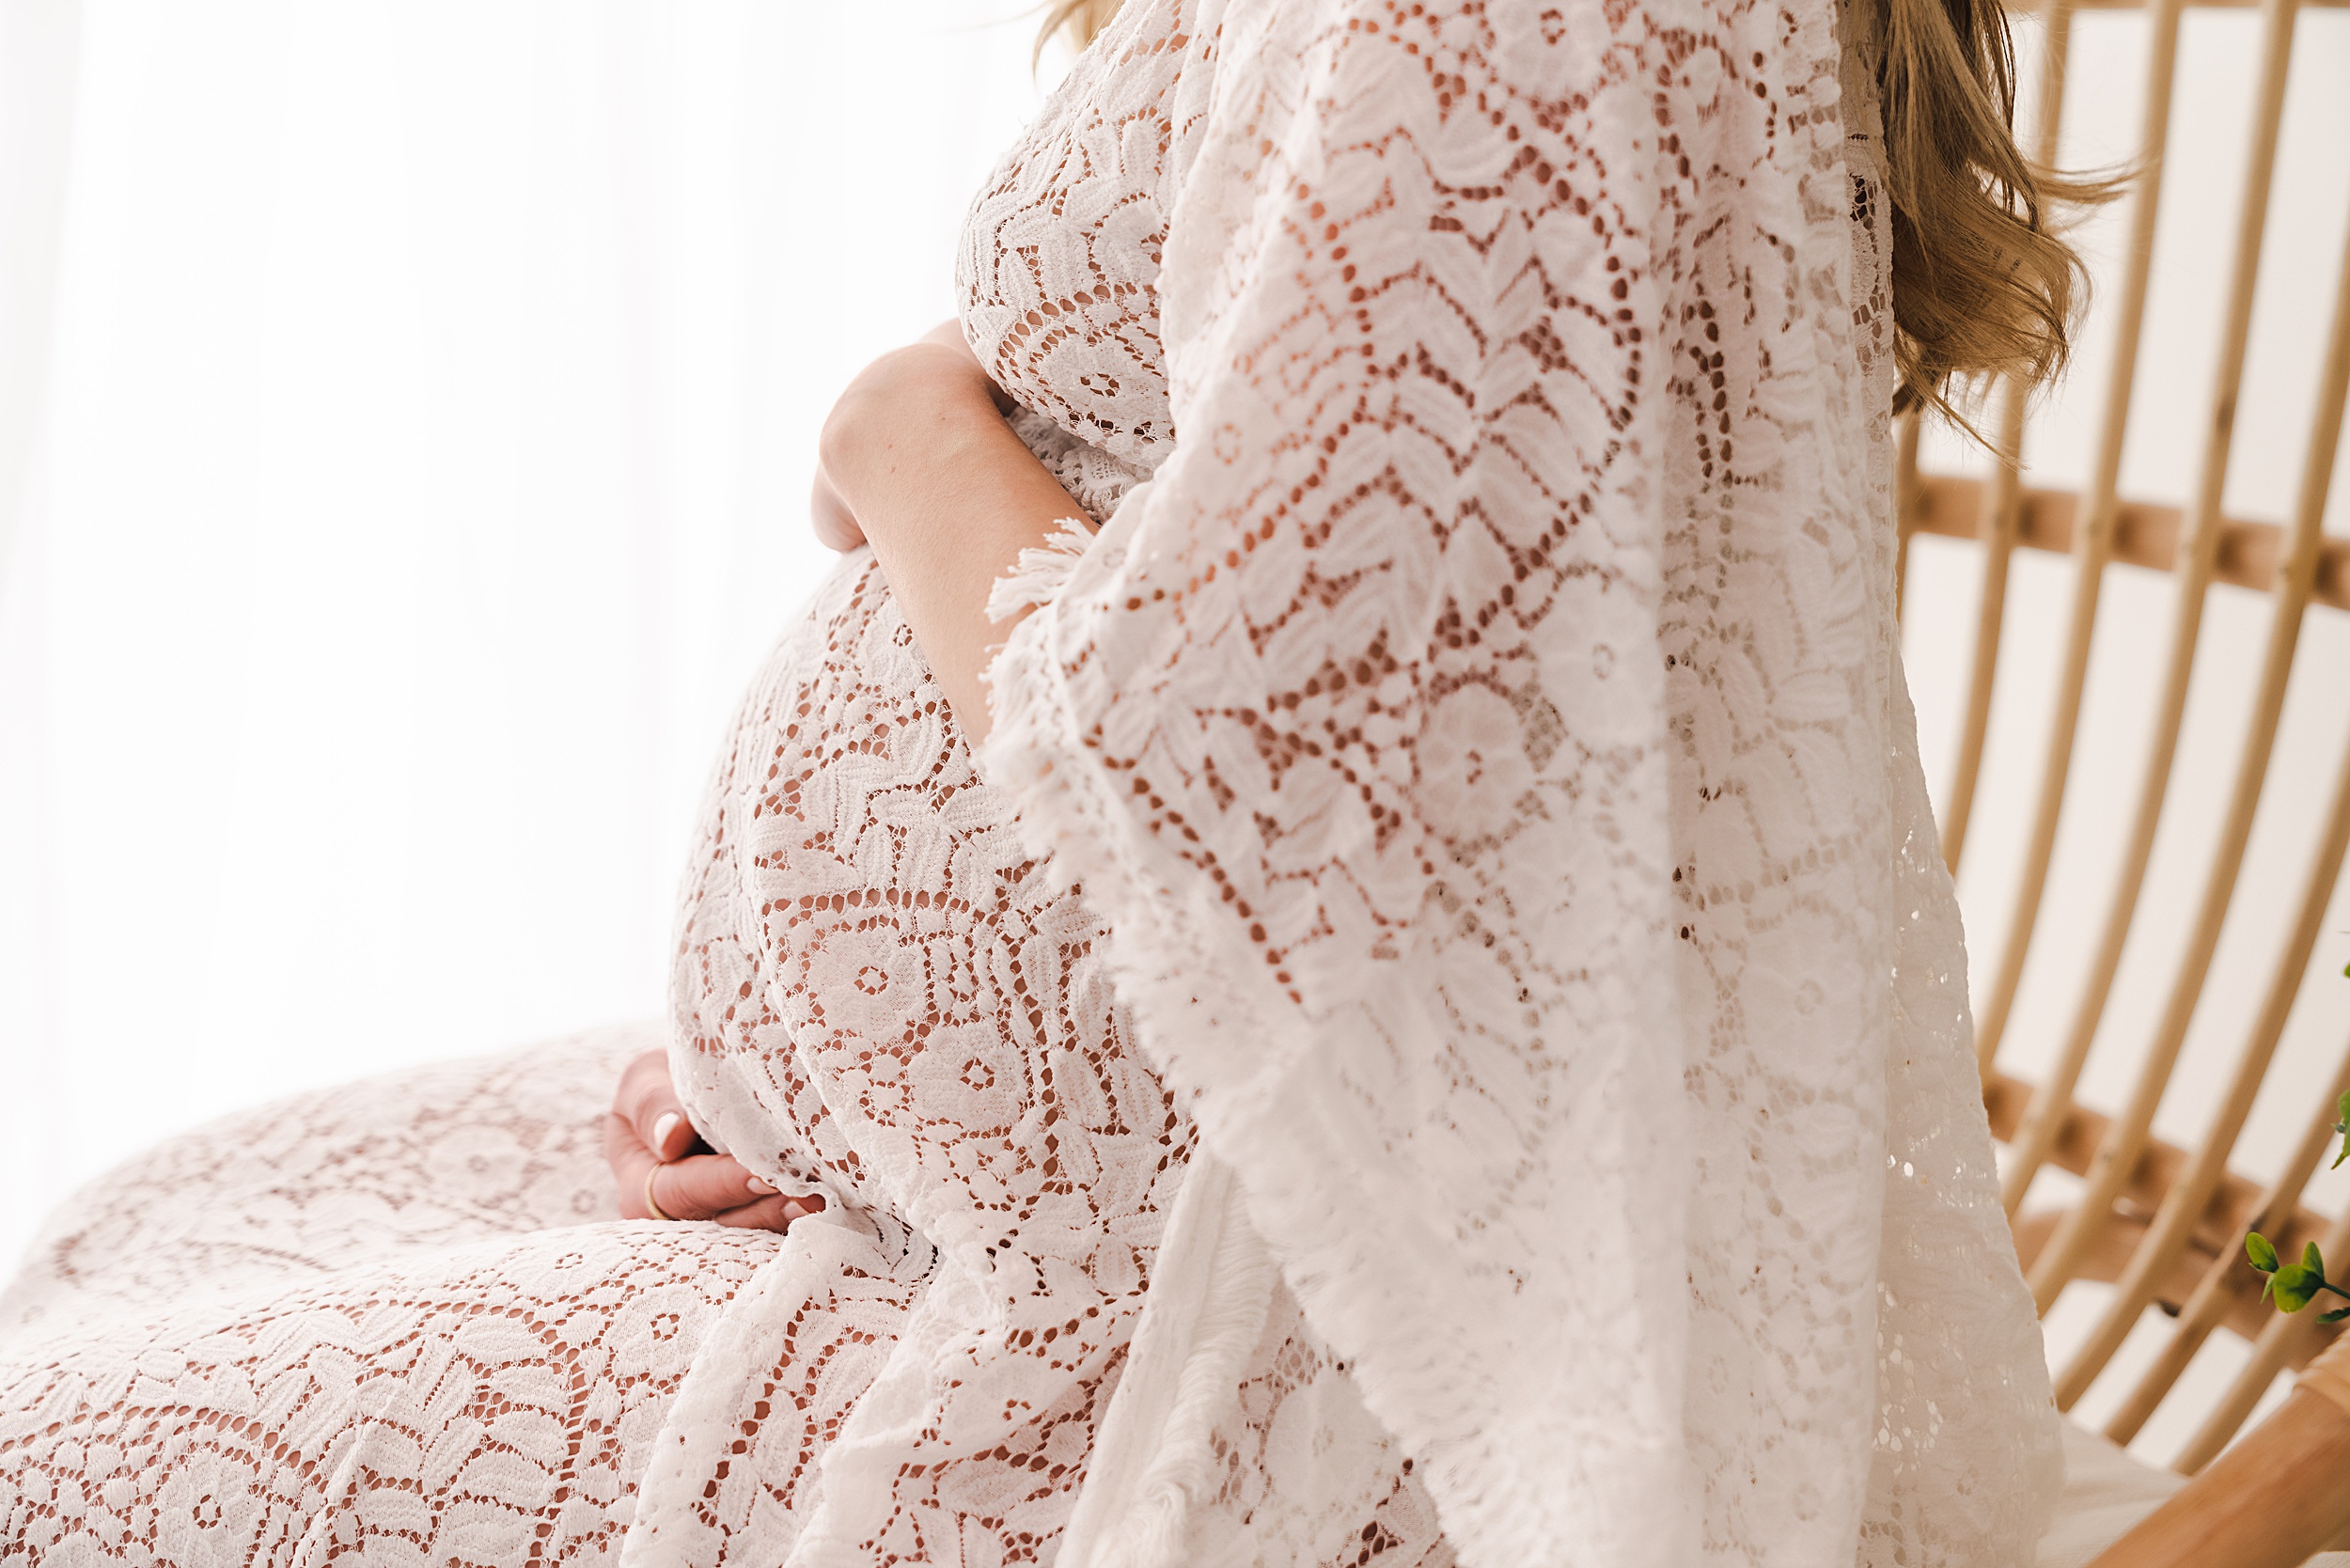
(2296, 1285)
(2312, 1261)
(2262, 1251)
(2335, 1316)
(2341, 1121)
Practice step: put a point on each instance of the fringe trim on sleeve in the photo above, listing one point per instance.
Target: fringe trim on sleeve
(1041, 571)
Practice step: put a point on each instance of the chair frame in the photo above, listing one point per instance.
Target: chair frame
(2163, 1224)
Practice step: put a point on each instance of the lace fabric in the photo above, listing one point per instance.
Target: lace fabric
(1435, 1027)
(398, 1321)
(880, 998)
(1485, 739)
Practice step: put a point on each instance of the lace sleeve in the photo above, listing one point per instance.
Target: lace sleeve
(1353, 725)
(1484, 740)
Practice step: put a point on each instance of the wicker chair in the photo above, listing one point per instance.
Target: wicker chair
(2161, 1224)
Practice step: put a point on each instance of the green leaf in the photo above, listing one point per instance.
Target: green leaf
(2262, 1251)
(2312, 1262)
(2335, 1316)
(2295, 1286)
(2341, 1121)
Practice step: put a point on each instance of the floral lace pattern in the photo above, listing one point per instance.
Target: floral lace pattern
(879, 997)
(1484, 737)
(1439, 998)
(399, 1322)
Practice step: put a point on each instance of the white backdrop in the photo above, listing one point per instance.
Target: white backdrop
(408, 465)
(417, 472)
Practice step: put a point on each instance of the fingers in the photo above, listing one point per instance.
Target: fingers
(626, 1153)
(709, 1186)
(774, 1213)
(650, 1103)
(645, 1126)
(835, 526)
(717, 1187)
(694, 1188)
(649, 1143)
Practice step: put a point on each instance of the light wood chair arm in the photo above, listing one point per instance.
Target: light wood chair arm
(2268, 1502)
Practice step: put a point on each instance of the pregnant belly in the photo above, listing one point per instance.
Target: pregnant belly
(866, 955)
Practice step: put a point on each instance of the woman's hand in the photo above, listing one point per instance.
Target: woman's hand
(901, 383)
(918, 461)
(835, 526)
(653, 1148)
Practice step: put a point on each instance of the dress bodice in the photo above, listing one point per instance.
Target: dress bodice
(1058, 273)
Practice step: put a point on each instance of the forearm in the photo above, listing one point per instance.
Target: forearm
(948, 496)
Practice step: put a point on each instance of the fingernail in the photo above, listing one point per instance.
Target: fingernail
(661, 1131)
(759, 1187)
(793, 1212)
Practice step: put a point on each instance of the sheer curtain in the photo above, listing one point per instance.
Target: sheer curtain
(405, 428)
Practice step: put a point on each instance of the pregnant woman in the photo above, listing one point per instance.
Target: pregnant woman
(1329, 950)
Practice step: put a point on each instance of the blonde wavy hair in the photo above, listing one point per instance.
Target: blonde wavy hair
(1984, 284)
(1078, 21)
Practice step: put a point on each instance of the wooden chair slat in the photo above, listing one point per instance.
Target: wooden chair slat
(1997, 512)
(2284, 1342)
(2092, 548)
(2055, 1266)
(2186, 1202)
(2312, 912)
(2161, 1222)
(2247, 554)
(2202, 1208)
(2229, 1279)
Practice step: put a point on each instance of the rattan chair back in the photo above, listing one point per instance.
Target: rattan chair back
(2160, 1223)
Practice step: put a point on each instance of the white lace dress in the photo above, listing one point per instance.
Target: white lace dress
(1435, 1030)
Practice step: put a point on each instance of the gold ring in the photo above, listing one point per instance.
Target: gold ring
(650, 1171)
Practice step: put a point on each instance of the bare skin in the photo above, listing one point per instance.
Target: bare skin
(917, 460)
(651, 1146)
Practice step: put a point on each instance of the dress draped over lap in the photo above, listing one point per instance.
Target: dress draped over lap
(1434, 1029)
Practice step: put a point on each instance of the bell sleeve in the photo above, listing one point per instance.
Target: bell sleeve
(1351, 725)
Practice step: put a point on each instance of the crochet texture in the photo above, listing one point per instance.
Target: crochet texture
(1438, 999)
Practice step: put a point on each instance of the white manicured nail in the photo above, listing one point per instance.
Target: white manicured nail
(661, 1131)
(759, 1187)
